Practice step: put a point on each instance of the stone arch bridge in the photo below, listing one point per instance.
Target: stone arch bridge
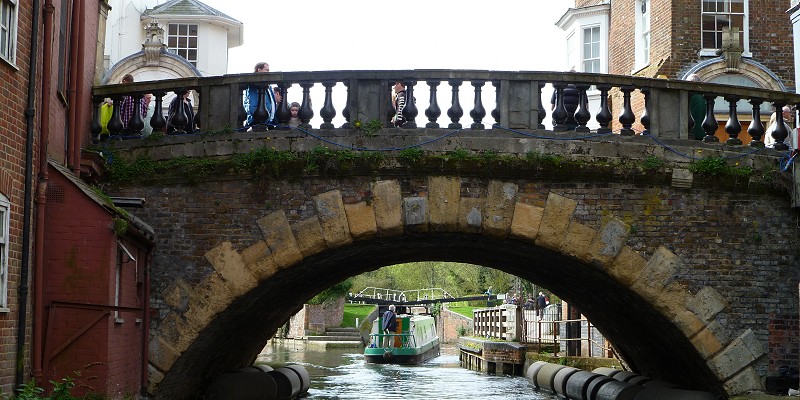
(683, 253)
(690, 275)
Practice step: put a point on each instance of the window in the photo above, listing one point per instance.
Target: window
(591, 49)
(720, 14)
(182, 40)
(642, 56)
(8, 30)
(4, 222)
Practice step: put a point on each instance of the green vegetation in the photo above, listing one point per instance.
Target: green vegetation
(355, 311)
(715, 166)
(61, 391)
(334, 292)
(463, 310)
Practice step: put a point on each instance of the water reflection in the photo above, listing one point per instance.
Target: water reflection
(343, 374)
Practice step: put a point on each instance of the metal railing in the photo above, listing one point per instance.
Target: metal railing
(407, 340)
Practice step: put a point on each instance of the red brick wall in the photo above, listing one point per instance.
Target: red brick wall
(81, 259)
(587, 3)
(13, 92)
(449, 324)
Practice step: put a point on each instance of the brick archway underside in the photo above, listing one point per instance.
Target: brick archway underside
(659, 328)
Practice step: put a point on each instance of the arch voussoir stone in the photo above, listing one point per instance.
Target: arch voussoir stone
(361, 220)
(387, 203)
(279, 238)
(526, 221)
(470, 214)
(308, 236)
(608, 242)
(730, 363)
(231, 267)
(501, 200)
(578, 241)
(557, 216)
(444, 194)
(258, 260)
(333, 219)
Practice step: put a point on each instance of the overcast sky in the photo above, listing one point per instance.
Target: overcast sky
(314, 35)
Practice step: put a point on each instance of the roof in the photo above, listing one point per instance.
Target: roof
(104, 202)
(194, 10)
(185, 7)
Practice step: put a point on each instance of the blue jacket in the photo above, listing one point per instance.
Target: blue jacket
(389, 321)
(250, 101)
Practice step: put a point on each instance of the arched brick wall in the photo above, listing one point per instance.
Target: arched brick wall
(661, 328)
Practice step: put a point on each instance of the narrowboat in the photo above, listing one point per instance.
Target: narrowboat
(414, 342)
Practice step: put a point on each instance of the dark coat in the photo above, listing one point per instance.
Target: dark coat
(389, 321)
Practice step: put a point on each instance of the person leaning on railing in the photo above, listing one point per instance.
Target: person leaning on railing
(389, 326)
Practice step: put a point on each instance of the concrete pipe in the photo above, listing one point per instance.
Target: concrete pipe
(544, 379)
(530, 374)
(288, 382)
(263, 368)
(579, 382)
(243, 386)
(594, 386)
(639, 380)
(660, 384)
(607, 371)
(662, 393)
(625, 376)
(560, 380)
(618, 390)
(305, 379)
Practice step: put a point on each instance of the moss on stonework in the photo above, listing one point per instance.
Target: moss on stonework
(267, 162)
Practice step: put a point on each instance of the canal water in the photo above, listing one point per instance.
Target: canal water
(343, 374)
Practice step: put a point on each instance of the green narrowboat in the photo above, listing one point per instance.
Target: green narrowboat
(414, 342)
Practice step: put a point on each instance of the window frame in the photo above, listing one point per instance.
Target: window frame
(642, 41)
(596, 60)
(9, 32)
(5, 221)
(184, 50)
(744, 29)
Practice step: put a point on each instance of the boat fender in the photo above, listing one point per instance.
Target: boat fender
(387, 355)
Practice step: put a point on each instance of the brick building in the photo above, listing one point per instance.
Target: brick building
(736, 42)
(61, 258)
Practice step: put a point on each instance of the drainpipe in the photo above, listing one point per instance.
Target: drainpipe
(77, 13)
(30, 113)
(41, 199)
(82, 98)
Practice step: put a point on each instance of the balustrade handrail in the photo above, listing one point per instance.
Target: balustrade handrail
(517, 98)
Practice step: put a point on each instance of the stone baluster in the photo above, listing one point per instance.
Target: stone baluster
(455, 112)
(260, 115)
(645, 118)
(542, 112)
(95, 128)
(496, 111)
(136, 124)
(241, 115)
(328, 112)
(710, 124)
(560, 112)
(582, 116)
(283, 114)
(478, 112)
(306, 112)
(756, 128)
(627, 117)
(780, 133)
(115, 123)
(733, 127)
(180, 119)
(346, 110)
(157, 121)
(410, 111)
(433, 111)
(604, 116)
(391, 111)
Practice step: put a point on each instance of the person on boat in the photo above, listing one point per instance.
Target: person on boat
(389, 326)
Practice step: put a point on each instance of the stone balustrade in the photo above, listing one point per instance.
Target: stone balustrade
(361, 97)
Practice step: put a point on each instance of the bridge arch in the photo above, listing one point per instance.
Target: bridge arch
(637, 302)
